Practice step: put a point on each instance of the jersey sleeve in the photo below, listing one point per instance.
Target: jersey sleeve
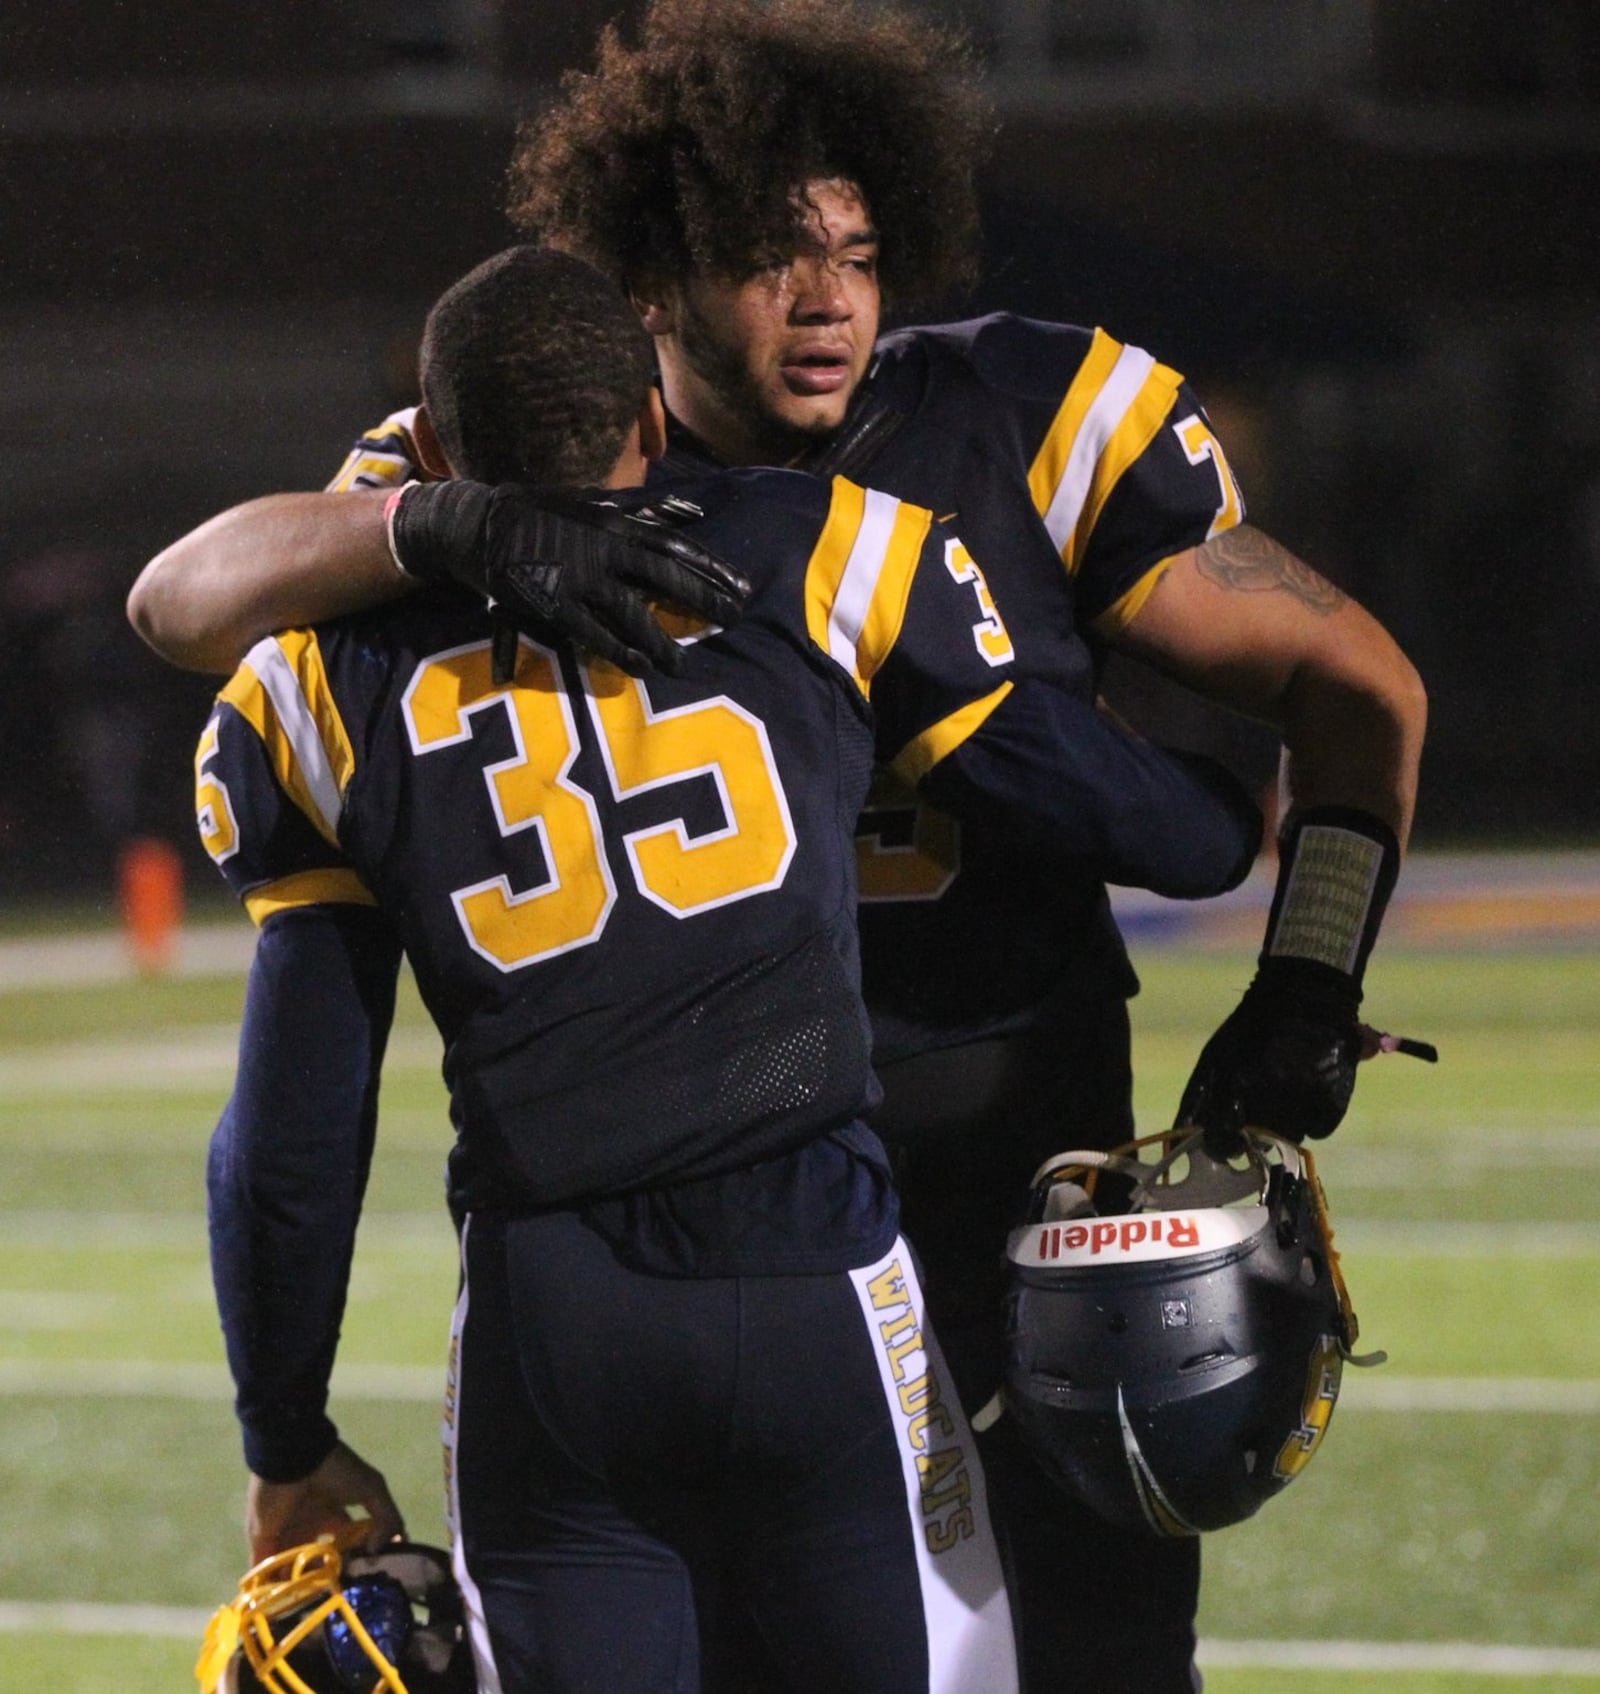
(271, 772)
(1053, 775)
(384, 457)
(287, 1169)
(898, 602)
(1123, 465)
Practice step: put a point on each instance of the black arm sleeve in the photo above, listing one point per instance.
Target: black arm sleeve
(288, 1167)
(1053, 774)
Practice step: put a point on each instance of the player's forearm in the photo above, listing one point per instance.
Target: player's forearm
(278, 561)
(1354, 739)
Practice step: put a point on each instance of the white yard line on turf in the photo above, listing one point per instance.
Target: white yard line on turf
(84, 961)
(153, 1379)
(1402, 1239)
(97, 1379)
(1396, 1239)
(87, 1617)
(1464, 1658)
(201, 1057)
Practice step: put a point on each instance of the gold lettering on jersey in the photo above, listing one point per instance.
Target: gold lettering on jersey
(1199, 445)
(944, 1480)
(649, 748)
(447, 1422)
(213, 810)
(568, 901)
(531, 791)
(989, 632)
(905, 850)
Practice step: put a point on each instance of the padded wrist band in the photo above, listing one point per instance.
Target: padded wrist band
(1336, 870)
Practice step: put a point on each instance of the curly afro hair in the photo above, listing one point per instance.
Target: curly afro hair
(684, 152)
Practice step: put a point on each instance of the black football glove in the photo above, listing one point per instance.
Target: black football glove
(564, 566)
(1285, 1059)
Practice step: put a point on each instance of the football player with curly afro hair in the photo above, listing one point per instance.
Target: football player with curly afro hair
(682, 152)
(764, 180)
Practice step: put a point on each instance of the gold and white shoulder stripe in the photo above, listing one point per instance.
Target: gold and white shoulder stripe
(1115, 405)
(281, 690)
(385, 457)
(860, 574)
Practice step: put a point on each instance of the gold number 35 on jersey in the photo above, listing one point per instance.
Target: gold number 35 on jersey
(640, 749)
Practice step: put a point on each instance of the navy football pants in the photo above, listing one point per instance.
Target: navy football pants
(1098, 1610)
(626, 1451)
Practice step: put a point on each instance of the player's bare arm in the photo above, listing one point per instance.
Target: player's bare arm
(281, 560)
(1251, 562)
(1244, 622)
(554, 564)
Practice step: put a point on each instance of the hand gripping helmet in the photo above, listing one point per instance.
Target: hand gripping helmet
(327, 1618)
(1174, 1363)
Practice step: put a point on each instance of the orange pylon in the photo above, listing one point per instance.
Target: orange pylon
(150, 894)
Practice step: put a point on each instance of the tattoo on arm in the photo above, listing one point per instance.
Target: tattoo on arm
(1250, 562)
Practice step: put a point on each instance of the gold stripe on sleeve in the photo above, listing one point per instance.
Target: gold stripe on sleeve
(1050, 463)
(922, 752)
(330, 887)
(825, 571)
(304, 653)
(371, 470)
(1123, 610)
(281, 690)
(1139, 427)
(886, 615)
(387, 454)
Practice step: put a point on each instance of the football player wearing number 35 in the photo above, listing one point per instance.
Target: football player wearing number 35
(761, 177)
(690, 1363)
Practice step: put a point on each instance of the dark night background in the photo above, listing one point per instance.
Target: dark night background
(1366, 230)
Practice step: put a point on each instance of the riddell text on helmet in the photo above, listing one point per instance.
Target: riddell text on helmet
(1122, 1233)
(1151, 1235)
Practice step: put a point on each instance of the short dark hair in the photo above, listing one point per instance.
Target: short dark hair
(533, 366)
(683, 152)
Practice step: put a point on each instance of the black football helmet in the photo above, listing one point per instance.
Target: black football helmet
(328, 1618)
(1173, 1362)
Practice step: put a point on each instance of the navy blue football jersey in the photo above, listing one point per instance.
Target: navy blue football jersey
(629, 904)
(1075, 468)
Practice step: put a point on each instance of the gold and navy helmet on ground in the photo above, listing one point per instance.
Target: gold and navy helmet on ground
(327, 1618)
(1173, 1358)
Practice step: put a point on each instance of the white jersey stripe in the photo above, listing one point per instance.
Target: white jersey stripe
(277, 676)
(1111, 405)
(860, 580)
(472, 1599)
(964, 1600)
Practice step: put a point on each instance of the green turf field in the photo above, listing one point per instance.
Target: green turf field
(1442, 1540)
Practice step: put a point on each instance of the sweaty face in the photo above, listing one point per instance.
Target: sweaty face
(762, 365)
